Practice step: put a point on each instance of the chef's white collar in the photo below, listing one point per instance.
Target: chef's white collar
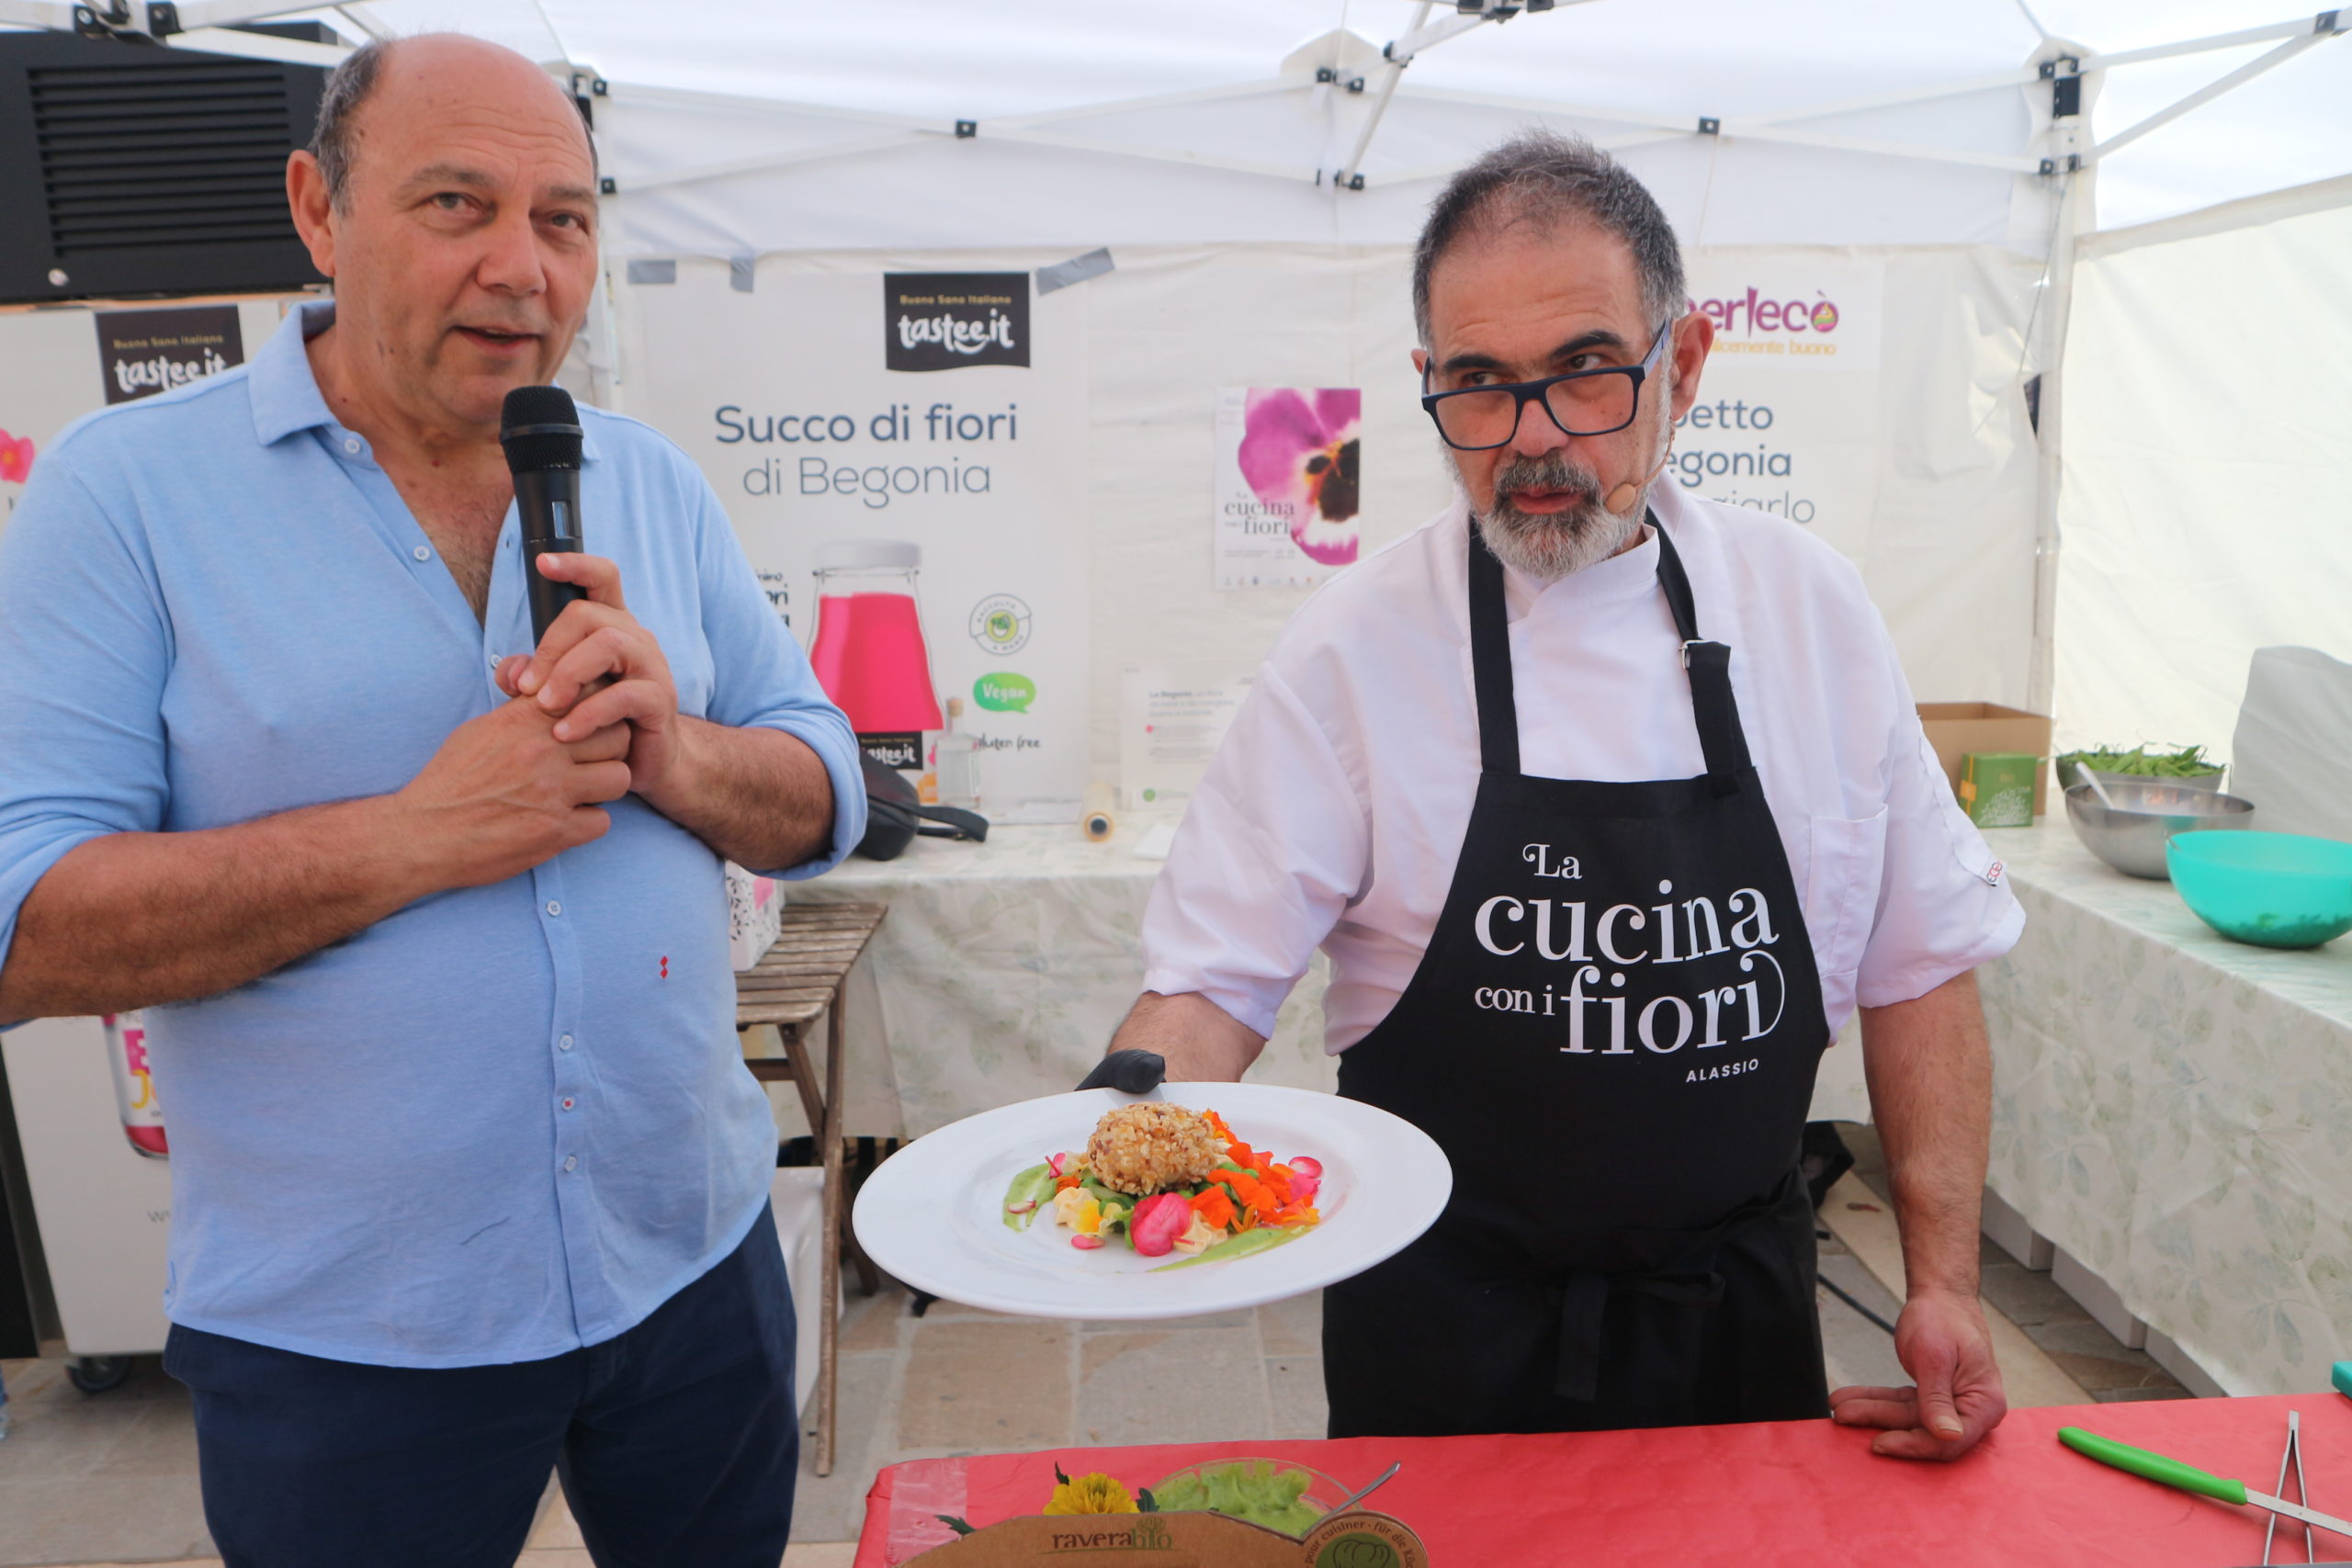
(1626, 575)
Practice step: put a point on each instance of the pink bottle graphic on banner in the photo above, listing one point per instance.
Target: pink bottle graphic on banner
(868, 652)
(134, 1086)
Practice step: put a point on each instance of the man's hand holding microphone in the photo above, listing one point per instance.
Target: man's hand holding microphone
(593, 710)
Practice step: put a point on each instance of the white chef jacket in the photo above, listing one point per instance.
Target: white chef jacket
(1334, 811)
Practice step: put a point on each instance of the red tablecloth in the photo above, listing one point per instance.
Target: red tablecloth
(1802, 1494)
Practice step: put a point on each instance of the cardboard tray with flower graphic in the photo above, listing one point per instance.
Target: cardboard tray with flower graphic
(1095, 1517)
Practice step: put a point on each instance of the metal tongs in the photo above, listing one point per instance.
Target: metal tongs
(2293, 1455)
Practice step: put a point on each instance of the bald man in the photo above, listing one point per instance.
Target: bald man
(470, 1180)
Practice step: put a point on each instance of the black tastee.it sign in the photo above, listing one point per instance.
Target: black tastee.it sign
(141, 353)
(946, 321)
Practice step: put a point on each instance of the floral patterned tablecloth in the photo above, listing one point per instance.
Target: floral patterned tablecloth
(1002, 969)
(2175, 1110)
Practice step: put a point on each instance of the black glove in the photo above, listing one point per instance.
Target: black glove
(1129, 1072)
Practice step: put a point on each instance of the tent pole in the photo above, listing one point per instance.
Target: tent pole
(1353, 170)
(2213, 89)
(2057, 305)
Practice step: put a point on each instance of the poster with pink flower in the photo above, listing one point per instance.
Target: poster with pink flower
(1287, 474)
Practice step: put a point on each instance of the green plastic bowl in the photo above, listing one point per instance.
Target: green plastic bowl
(2271, 889)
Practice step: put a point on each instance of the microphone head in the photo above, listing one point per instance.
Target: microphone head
(539, 427)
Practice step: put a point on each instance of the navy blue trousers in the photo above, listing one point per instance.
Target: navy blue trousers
(677, 1442)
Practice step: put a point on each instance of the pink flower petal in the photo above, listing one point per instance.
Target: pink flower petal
(1279, 431)
(1338, 410)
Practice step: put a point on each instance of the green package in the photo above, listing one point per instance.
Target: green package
(1996, 788)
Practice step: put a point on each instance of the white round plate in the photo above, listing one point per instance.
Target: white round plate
(932, 1214)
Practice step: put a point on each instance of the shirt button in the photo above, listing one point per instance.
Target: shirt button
(572, 1162)
(352, 446)
(554, 908)
(420, 553)
(564, 1044)
(567, 1102)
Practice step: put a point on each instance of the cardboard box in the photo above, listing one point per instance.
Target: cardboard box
(1996, 788)
(754, 916)
(1955, 730)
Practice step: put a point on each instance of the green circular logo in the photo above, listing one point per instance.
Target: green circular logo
(1000, 624)
(1354, 1551)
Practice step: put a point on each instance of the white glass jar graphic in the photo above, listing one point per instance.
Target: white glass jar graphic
(134, 1085)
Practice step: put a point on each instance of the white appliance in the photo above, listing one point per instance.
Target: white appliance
(104, 1207)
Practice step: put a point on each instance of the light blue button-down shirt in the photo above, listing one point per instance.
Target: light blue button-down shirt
(507, 1121)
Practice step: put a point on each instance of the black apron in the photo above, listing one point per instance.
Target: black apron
(1613, 1035)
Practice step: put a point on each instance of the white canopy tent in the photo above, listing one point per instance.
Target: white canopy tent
(1257, 166)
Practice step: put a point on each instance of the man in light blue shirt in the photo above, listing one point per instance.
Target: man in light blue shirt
(468, 1175)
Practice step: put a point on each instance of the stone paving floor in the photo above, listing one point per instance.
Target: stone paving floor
(2108, 1370)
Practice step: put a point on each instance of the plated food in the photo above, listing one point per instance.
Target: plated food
(1165, 1179)
(1350, 1184)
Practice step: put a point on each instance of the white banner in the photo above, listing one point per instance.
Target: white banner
(1786, 416)
(61, 364)
(976, 451)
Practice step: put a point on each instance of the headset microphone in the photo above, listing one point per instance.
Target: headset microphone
(1622, 499)
(539, 427)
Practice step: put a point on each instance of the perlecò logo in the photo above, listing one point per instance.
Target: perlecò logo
(1005, 693)
(947, 321)
(1753, 312)
(141, 353)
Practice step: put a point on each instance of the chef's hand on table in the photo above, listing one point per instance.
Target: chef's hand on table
(1942, 1342)
(597, 668)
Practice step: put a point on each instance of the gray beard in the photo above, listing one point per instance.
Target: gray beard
(1548, 547)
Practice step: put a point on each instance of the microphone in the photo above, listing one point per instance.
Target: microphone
(1623, 498)
(539, 427)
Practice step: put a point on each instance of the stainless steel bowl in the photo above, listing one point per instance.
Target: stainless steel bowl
(2130, 837)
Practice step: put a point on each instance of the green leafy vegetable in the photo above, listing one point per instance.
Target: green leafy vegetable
(2187, 763)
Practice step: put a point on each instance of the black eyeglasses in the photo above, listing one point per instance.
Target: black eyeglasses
(1582, 402)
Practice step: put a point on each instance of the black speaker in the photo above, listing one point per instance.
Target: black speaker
(131, 168)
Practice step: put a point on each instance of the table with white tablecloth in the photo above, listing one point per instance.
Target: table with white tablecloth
(2175, 1110)
(1004, 967)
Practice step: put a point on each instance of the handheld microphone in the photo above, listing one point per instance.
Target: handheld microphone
(539, 427)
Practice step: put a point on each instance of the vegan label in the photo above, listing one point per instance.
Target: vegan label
(1006, 692)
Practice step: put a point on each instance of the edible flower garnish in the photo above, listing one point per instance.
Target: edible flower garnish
(1095, 1493)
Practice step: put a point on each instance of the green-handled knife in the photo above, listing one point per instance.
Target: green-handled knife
(2188, 1478)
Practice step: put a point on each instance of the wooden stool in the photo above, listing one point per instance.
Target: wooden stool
(800, 976)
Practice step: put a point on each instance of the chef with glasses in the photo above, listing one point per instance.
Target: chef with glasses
(1610, 805)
